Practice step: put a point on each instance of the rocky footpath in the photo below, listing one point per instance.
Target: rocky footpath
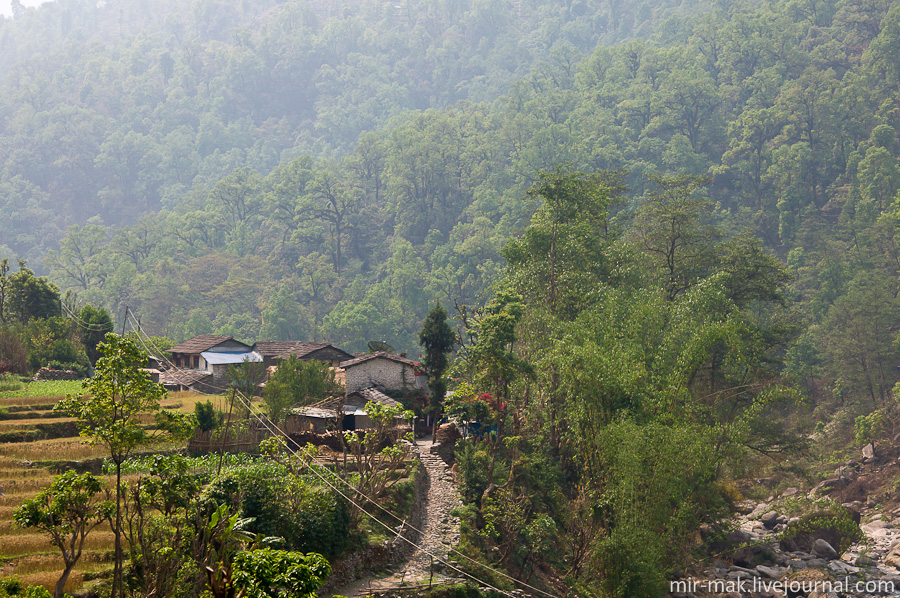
(840, 539)
(439, 528)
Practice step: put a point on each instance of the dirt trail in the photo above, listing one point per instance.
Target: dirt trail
(440, 529)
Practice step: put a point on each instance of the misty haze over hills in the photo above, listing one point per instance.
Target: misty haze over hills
(6, 8)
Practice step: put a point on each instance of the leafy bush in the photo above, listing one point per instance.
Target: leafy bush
(472, 460)
(869, 427)
(309, 518)
(834, 525)
(661, 485)
(207, 417)
(60, 354)
(13, 587)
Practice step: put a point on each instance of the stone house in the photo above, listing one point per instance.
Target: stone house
(382, 370)
(322, 417)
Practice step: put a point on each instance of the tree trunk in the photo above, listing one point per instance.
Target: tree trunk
(117, 589)
(58, 590)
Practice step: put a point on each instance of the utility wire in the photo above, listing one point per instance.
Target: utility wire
(92, 326)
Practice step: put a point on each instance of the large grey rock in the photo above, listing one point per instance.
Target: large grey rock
(771, 572)
(758, 511)
(893, 557)
(828, 485)
(769, 519)
(824, 550)
(868, 452)
(842, 568)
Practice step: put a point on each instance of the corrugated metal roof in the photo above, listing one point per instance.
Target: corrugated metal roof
(316, 412)
(226, 358)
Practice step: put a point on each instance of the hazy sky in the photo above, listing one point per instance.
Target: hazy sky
(5, 5)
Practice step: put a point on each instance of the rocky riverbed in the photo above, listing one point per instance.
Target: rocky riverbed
(772, 551)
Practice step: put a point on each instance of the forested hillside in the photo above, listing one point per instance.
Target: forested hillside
(119, 109)
(324, 171)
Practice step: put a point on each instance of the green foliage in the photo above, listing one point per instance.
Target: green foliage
(834, 525)
(279, 574)
(12, 587)
(93, 325)
(247, 376)
(297, 382)
(8, 383)
(207, 417)
(67, 512)
(438, 339)
(110, 410)
(28, 297)
(869, 427)
(472, 461)
(275, 503)
(659, 486)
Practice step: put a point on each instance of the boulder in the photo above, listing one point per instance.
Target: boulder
(892, 558)
(769, 519)
(758, 512)
(835, 526)
(770, 572)
(829, 485)
(868, 452)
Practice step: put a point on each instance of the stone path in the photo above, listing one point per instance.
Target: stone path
(440, 528)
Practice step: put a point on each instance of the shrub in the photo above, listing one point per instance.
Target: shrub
(834, 525)
(309, 518)
(207, 417)
(869, 427)
(473, 462)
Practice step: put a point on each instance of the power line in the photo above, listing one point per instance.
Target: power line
(280, 435)
(92, 326)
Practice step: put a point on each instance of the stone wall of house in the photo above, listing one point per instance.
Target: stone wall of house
(380, 372)
(220, 375)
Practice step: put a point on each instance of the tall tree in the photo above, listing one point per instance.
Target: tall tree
(111, 413)
(30, 297)
(673, 228)
(438, 338)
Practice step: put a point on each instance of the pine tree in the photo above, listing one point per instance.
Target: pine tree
(437, 338)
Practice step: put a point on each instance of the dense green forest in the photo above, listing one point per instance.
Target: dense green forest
(256, 174)
(320, 171)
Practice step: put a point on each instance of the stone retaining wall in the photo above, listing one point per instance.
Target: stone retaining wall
(367, 561)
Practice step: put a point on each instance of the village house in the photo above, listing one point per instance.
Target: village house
(383, 370)
(321, 418)
(272, 351)
(202, 362)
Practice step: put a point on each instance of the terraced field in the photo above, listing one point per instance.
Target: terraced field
(35, 445)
